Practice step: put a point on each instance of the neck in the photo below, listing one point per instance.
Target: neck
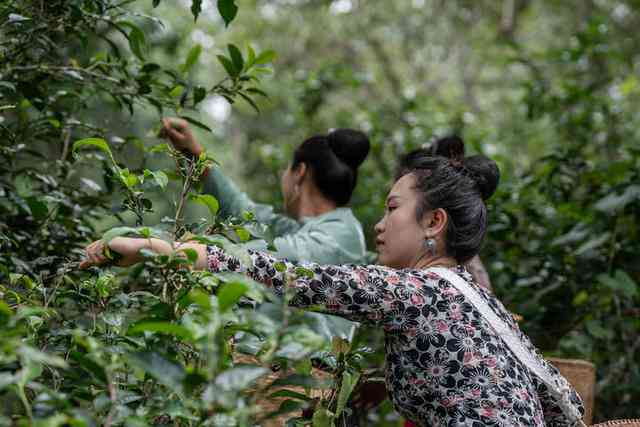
(437, 261)
(314, 204)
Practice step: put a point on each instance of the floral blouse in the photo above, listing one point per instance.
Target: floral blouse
(445, 365)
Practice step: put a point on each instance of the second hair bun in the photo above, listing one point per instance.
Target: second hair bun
(349, 145)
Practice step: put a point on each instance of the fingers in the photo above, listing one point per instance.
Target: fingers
(94, 255)
(175, 123)
(175, 130)
(174, 135)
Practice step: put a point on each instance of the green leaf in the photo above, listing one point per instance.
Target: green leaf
(265, 57)
(349, 381)
(156, 3)
(593, 244)
(199, 93)
(160, 178)
(196, 8)
(137, 40)
(200, 298)
(621, 282)
(208, 200)
(251, 56)
(160, 327)
(230, 293)
(176, 91)
(116, 232)
(257, 91)
(128, 179)
(239, 378)
(228, 10)
(99, 143)
(192, 58)
(38, 208)
(158, 148)
(596, 329)
(196, 123)
(250, 101)
(32, 354)
(192, 254)
(615, 202)
(164, 371)
(236, 56)
(243, 234)
(322, 417)
(89, 365)
(229, 66)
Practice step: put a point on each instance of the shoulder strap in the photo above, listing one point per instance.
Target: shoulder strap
(503, 330)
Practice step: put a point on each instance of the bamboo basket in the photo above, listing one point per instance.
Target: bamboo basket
(619, 423)
(269, 405)
(582, 376)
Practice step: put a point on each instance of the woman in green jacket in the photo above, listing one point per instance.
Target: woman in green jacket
(316, 187)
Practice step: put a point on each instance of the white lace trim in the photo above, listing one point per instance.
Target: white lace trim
(562, 392)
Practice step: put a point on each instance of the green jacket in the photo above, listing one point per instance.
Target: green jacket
(335, 237)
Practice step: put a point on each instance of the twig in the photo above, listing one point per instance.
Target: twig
(186, 187)
(114, 400)
(67, 139)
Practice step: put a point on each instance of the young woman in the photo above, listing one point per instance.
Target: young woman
(454, 355)
(451, 147)
(316, 187)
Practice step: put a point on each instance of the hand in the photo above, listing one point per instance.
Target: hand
(178, 132)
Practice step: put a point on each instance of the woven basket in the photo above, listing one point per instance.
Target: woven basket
(582, 376)
(267, 404)
(619, 423)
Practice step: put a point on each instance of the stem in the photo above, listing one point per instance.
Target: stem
(25, 402)
(186, 187)
(67, 140)
(114, 401)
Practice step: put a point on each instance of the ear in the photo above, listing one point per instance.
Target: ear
(435, 222)
(299, 172)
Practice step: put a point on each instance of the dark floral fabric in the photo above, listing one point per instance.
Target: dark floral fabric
(445, 365)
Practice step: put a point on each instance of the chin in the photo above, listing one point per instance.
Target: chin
(383, 261)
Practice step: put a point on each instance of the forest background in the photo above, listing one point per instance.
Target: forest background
(549, 89)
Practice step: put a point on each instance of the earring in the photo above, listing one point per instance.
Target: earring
(430, 245)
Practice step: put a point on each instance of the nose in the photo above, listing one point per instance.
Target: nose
(379, 227)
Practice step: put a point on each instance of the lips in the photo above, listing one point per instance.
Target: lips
(379, 242)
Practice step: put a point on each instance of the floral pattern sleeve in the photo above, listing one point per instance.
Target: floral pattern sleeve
(446, 364)
(360, 293)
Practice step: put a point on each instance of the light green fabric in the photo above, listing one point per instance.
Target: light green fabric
(332, 238)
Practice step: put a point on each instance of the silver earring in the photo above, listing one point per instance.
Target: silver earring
(430, 245)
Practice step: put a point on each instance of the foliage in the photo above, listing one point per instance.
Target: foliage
(153, 346)
(549, 89)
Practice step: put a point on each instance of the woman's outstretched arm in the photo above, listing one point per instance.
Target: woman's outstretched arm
(363, 293)
(128, 249)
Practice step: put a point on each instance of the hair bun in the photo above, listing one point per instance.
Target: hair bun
(349, 145)
(485, 172)
(451, 147)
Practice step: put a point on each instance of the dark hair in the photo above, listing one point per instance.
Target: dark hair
(459, 185)
(334, 160)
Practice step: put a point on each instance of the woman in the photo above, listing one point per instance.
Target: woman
(451, 147)
(454, 355)
(316, 188)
